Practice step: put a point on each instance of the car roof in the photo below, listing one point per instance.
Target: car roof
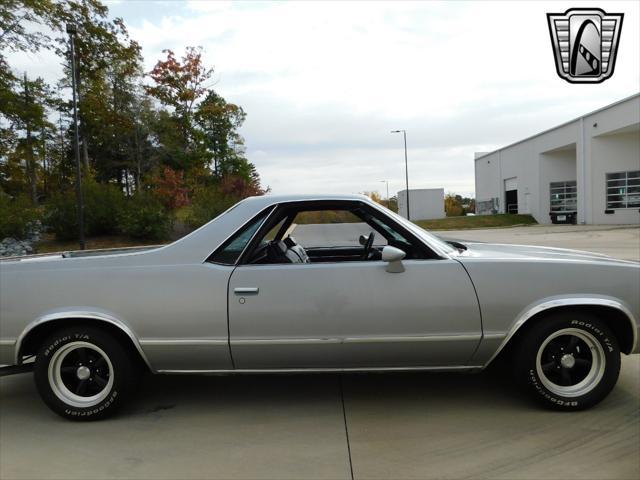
(269, 199)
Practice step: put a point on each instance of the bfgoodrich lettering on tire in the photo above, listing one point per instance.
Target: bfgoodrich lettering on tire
(84, 373)
(568, 361)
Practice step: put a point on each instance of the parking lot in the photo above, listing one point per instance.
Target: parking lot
(364, 426)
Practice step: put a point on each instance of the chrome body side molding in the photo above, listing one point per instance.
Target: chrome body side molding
(372, 339)
(160, 342)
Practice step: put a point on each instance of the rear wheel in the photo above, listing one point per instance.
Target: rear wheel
(568, 361)
(84, 373)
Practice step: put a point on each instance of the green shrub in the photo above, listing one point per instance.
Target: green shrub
(144, 217)
(61, 216)
(16, 216)
(107, 211)
(103, 203)
(207, 203)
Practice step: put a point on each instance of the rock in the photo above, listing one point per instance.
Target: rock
(10, 247)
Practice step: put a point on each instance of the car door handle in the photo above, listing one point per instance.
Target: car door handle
(246, 290)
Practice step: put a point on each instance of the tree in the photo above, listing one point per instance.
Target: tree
(375, 196)
(199, 135)
(173, 137)
(25, 111)
(107, 61)
(16, 17)
(9, 109)
(391, 203)
(180, 84)
(453, 205)
(219, 122)
(171, 189)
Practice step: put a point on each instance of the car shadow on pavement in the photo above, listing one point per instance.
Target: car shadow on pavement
(164, 394)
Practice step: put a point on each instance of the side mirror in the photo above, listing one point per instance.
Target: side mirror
(393, 256)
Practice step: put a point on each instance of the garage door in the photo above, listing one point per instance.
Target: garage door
(511, 184)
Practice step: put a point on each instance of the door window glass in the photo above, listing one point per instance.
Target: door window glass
(230, 251)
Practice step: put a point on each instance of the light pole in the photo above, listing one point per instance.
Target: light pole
(406, 167)
(387, 182)
(71, 30)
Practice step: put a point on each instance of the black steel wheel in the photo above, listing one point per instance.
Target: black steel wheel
(84, 373)
(568, 360)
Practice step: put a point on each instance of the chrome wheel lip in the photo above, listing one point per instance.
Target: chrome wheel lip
(60, 389)
(593, 377)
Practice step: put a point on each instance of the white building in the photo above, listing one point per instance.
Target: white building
(424, 203)
(586, 170)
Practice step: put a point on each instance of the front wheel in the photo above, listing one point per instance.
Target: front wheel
(83, 373)
(568, 361)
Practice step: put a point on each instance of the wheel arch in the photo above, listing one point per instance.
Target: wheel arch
(613, 312)
(36, 332)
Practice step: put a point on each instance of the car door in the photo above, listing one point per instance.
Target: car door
(352, 314)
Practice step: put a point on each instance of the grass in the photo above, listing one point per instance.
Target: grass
(49, 244)
(477, 221)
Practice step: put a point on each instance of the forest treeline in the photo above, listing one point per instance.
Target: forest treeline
(151, 142)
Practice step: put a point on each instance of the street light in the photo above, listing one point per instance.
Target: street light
(72, 31)
(406, 167)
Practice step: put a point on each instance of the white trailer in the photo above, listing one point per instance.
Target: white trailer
(424, 203)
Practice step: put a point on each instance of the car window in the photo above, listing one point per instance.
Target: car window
(331, 228)
(389, 230)
(419, 231)
(230, 251)
(271, 234)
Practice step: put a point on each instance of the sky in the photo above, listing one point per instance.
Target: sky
(324, 83)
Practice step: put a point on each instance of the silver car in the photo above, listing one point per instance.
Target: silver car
(316, 284)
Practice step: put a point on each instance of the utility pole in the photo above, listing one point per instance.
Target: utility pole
(60, 176)
(71, 30)
(406, 167)
(45, 165)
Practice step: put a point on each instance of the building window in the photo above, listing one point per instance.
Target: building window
(563, 197)
(623, 190)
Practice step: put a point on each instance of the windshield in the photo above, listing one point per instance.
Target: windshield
(419, 231)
